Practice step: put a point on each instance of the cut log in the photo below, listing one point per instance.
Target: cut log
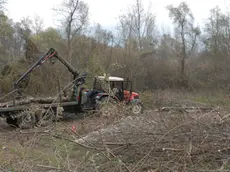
(47, 100)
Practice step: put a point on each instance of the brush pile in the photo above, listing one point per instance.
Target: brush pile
(164, 141)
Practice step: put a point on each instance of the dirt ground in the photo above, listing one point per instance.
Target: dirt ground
(47, 148)
(176, 139)
(28, 150)
(75, 144)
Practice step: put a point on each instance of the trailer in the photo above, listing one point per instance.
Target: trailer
(29, 112)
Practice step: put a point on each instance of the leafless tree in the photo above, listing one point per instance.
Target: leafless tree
(38, 25)
(183, 19)
(105, 42)
(217, 32)
(75, 16)
(2, 3)
(138, 25)
(137, 32)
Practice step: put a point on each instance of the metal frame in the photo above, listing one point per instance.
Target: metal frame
(122, 86)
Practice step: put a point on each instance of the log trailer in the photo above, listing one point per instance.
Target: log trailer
(27, 113)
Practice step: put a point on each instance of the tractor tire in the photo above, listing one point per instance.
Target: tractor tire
(137, 109)
(11, 121)
(26, 119)
(44, 117)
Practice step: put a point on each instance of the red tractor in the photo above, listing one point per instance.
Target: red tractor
(112, 89)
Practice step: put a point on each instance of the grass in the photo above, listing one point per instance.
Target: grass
(219, 98)
(59, 153)
(159, 98)
(25, 151)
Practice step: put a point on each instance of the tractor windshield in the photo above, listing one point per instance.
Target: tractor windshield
(116, 84)
(97, 85)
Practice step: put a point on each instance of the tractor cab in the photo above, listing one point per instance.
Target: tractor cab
(113, 87)
(120, 88)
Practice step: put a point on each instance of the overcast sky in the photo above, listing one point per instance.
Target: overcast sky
(106, 12)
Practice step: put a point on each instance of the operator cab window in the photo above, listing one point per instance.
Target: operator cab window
(116, 84)
(97, 85)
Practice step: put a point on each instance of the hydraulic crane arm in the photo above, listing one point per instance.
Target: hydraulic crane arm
(51, 53)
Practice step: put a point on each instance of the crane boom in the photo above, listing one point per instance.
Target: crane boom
(51, 53)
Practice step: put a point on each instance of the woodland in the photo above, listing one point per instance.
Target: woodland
(191, 57)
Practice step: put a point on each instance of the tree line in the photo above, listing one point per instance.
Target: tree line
(191, 57)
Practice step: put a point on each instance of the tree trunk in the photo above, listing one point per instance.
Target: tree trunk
(184, 82)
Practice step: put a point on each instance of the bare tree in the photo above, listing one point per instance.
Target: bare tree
(38, 25)
(74, 18)
(25, 30)
(138, 26)
(138, 36)
(104, 39)
(217, 33)
(25, 27)
(2, 4)
(183, 19)
(168, 46)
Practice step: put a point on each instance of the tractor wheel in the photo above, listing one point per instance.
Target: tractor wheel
(137, 109)
(26, 120)
(11, 121)
(44, 117)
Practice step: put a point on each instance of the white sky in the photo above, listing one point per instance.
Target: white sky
(106, 12)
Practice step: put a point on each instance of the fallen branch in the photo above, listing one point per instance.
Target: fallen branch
(114, 156)
(186, 108)
(50, 167)
(82, 145)
(172, 149)
(100, 150)
(119, 144)
(32, 132)
(143, 159)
